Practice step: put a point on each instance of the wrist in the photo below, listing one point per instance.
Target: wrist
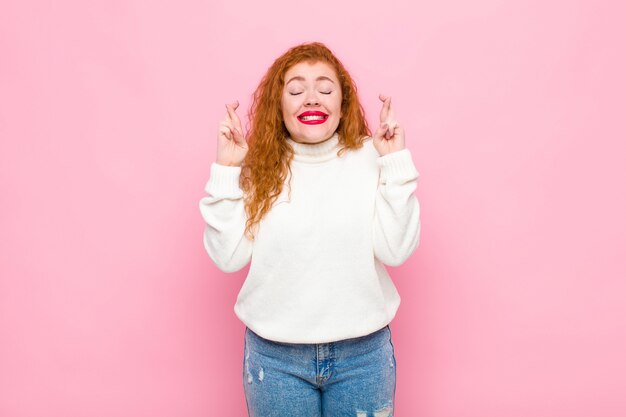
(392, 151)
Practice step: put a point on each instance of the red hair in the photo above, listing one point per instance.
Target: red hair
(267, 162)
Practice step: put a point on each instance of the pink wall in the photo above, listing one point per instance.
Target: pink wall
(513, 305)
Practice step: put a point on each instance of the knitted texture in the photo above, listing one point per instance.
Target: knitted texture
(317, 270)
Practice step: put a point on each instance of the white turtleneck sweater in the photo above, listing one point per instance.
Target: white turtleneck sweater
(316, 272)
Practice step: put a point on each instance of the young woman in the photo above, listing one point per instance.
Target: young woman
(317, 205)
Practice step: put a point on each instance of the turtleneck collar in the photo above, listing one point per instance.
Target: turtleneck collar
(315, 152)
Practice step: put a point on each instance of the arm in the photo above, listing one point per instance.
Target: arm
(225, 218)
(396, 229)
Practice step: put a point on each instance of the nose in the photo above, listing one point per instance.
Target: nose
(312, 100)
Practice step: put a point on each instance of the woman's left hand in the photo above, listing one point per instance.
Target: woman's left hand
(389, 136)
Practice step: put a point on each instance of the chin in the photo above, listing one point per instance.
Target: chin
(317, 136)
(311, 134)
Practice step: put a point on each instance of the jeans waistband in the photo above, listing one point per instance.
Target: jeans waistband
(352, 346)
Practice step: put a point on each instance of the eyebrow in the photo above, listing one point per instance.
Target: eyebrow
(321, 77)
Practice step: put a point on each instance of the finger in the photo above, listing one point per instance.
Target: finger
(233, 115)
(233, 133)
(238, 137)
(391, 115)
(392, 129)
(230, 111)
(384, 112)
(225, 130)
(226, 123)
(381, 131)
(232, 107)
(397, 130)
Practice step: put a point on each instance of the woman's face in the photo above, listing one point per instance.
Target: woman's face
(311, 102)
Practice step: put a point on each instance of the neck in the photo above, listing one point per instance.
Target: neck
(315, 152)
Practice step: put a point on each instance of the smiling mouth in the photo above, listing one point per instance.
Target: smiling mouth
(313, 119)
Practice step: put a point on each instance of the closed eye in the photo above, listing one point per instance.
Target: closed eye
(323, 92)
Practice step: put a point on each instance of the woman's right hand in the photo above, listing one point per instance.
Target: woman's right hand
(231, 143)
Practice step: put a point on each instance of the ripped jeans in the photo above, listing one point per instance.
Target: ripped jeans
(346, 378)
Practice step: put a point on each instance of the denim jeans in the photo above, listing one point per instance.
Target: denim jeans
(352, 377)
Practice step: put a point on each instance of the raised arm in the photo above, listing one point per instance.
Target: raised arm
(396, 227)
(223, 207)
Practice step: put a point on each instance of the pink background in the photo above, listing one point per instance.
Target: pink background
(514, 305)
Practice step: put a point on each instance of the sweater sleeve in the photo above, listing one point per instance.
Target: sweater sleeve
(225, 217)
(396, 229)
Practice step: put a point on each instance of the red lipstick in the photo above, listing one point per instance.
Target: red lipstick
(314, 120)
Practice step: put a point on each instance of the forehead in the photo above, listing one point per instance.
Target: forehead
(310, 71)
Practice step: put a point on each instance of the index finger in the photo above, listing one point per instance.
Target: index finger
(232, 115)
(391, 115)
(384, 112)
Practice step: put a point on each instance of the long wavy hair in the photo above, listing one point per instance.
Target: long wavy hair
(268, 160)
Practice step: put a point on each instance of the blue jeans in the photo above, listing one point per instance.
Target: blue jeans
(352, 377)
